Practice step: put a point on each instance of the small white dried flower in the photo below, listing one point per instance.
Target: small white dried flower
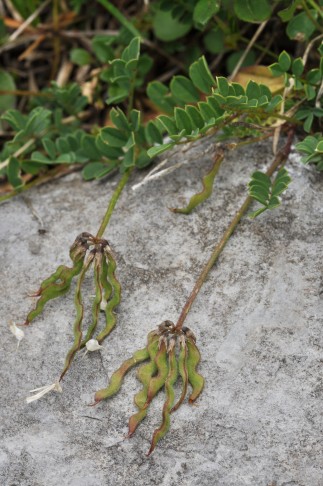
(17, 332)
(43, 390)
(92, 345)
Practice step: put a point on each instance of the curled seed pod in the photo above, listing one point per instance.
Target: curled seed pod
(56, 285)
(107, 291)
(207, 190)
(158, 381)
(63, 273)
(114, 301)
(48, 281)
(155, 384)
(164, 365)
(97, 299)
(170, 396)
(182, 368)
(145, 373)
(118, 376)
(196, 380)
(77, 328)
(106, 286)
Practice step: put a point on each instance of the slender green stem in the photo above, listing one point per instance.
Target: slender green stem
(120, 17)
(310, 16)
(260, 47)
(316, 7)
(280, 159)
(113, 202)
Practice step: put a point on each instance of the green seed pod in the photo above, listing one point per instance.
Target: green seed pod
(152, 388)
(196, 380)
(77, 328)
(106, 286)
(182, 368)
(118, 376)
(51, 279)
(157, 382)
(52, 290)
(207, 190)
(97, 299)
(113, 302)
(170, 396)
(145, 373)
(63, 273)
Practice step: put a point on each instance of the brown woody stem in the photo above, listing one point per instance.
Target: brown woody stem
(280, 159)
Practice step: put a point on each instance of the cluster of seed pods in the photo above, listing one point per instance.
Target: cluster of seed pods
(85, 251)
(171, 353)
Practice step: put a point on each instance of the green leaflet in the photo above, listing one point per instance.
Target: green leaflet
(207, 181)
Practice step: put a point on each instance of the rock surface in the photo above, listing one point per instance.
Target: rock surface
(258, 321)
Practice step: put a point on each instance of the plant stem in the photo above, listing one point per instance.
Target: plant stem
(18, 152)
(113, 202)
(310, 16)
(280, 159)
(316, 7)
(58, 171)
(115, 12)
(247, 49)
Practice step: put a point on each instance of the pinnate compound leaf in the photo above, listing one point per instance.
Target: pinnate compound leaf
(266, 192)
